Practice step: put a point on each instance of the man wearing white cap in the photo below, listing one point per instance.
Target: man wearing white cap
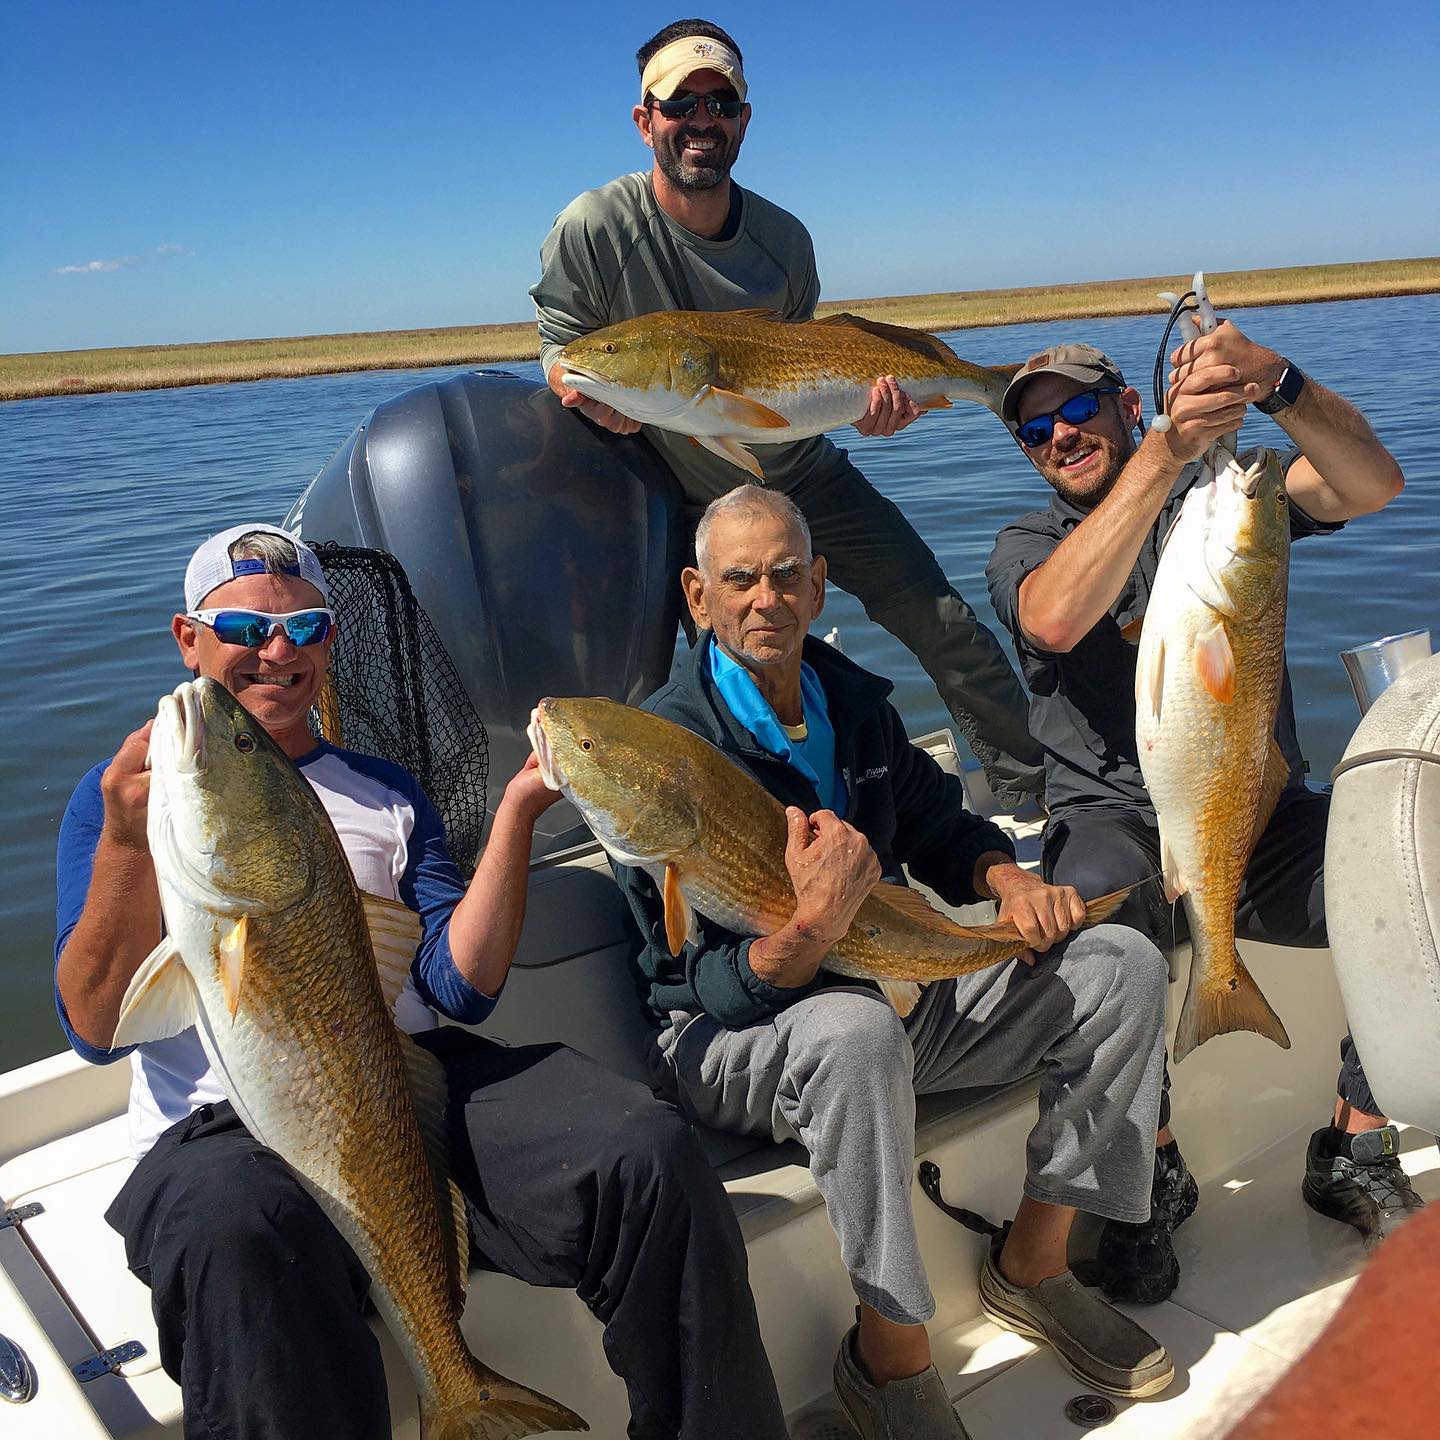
(258, 1301)
(684, 236)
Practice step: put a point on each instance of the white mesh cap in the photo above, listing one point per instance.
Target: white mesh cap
(211, 564)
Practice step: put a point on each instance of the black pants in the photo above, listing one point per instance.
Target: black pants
(576, 1178)
(1282, 899)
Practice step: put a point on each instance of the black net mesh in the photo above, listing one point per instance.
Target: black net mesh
(393, 692)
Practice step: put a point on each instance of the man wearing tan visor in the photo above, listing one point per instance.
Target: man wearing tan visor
(683, 236)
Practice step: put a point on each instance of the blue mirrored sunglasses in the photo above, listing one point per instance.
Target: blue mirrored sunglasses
(252, 628)
(1075, 411)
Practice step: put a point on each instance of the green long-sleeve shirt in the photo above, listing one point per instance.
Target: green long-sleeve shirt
(613, 253)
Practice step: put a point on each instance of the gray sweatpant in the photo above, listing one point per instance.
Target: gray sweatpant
(839, 1071)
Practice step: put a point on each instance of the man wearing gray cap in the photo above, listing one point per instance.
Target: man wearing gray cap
(623, 1208)
(684, 236)
(1067, 581)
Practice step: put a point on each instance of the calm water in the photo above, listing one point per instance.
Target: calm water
(103, 497)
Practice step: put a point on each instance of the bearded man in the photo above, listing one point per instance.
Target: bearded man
(1068, 581)
(684, 236)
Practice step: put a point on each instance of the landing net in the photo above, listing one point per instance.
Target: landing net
(393, 692)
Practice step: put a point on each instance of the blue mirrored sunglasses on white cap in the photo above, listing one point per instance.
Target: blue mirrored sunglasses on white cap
(252, 628)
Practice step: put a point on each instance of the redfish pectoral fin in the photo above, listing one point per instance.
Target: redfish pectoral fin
(1215, 663)
(160, 1000)
(740, 409)
(679, 917)
(936, 402)
(1222, 1003)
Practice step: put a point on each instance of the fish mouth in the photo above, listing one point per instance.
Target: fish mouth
(181, 720)
(573, 374)
(550, 771)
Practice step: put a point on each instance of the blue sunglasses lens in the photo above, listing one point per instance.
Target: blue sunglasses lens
(1075, 411)
(247, 628)
(308, 629)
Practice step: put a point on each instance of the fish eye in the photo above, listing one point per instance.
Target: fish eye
(587, 744)
(244, 741)
(609, 347)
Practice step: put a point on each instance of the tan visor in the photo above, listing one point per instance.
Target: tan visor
(673, 64)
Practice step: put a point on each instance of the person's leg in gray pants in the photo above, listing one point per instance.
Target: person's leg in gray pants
(873, 552)
(839, 1071)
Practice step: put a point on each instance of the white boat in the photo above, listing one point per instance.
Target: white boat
(1260, 1273)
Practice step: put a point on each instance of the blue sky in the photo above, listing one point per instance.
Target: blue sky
(217, 169)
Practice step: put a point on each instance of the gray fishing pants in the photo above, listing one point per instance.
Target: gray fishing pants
(872, 551)
(839, 1071)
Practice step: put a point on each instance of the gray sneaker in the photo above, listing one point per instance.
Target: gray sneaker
(913, 1409)
(1093, 1340)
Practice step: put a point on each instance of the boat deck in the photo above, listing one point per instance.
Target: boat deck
(1261, 1275)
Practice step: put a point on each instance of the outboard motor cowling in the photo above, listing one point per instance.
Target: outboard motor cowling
(544, 550)
(1382, 893)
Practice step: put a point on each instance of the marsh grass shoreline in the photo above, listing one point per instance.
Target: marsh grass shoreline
(153, 367)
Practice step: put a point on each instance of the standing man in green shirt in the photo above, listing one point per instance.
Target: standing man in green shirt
(683, 236)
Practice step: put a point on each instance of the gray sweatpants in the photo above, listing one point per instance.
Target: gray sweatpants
(839, 1071)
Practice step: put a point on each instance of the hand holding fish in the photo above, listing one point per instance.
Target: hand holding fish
(527, 793)
(605, 416)
(125, 789)
(1208, 392)
(832, 868)
(1043, 914)
(1227, 360)
(890, 409)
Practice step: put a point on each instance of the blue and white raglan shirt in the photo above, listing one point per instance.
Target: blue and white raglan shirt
(395, 843)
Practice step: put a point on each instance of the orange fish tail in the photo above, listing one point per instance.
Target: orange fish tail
(497, 1409)
(1223, 1005)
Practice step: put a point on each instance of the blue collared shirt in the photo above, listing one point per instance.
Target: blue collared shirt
(814, 756)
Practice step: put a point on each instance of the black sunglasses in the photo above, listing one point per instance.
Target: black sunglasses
(682, 107)
(1075, 411)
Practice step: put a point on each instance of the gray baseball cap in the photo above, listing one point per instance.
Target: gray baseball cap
(1076, 362)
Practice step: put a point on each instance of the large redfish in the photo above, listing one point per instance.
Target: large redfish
(732, 378)
(268, 955)
(660, 797)
(1207, 686)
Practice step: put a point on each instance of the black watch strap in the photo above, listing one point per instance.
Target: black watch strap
(1286, 393)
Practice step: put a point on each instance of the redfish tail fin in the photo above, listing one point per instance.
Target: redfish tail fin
(498, 1409)
(1234, 1002)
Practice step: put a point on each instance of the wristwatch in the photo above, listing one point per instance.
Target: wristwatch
(1286, 393)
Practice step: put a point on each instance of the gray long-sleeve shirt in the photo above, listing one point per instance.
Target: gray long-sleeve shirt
(613, 254)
